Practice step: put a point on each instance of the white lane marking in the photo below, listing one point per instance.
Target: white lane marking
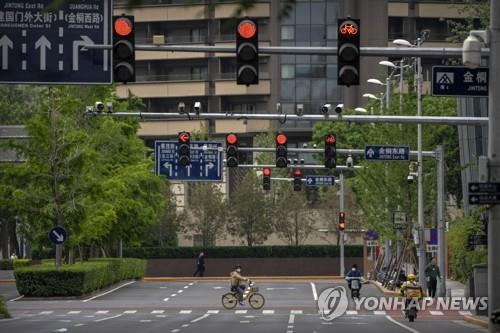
(351, 312)
(108, 292)
(191, 283)
(78, 325)
(296, 311)
(240, 311)
(327, 323)
(46, 312)
(15, 299)
(90, 316)
(244, 321)
(180, 291)
(268, 312)
(61, 330)
(174, 331)
(465, 313)
(379, 313)
(173, 295)
(213, 311)
(101, 312)
(163, 287)
(291, 320)
(436, 313)
(200, 318)
(74, 312)
(130, 311)
(145, 320)
(157, 311)
(218, 287)
(401, 325)
(107, 318)
(166, 299)
(285, 288)
(185, 325)
(249, 316)
(64, 320)
(290, 326)
(315, 293)
(185, 311)
(161, 316)
(185, 287)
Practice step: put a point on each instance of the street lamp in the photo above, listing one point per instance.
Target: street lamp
(402, 42)
(360, 109)
(380, 99)
(387, 89)
(375, 81)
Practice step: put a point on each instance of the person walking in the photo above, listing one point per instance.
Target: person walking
(432, 273)
(200, 265)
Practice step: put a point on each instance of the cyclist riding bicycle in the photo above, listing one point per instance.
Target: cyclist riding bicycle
(236, 285)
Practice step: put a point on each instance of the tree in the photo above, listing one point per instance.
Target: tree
(477, 16)
(250, 217)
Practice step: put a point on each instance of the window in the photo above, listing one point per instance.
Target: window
(287, 71)
(287, 32)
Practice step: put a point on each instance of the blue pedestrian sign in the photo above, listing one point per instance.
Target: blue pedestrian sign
(42, 43)
(387, 153)
(320, 181)
(206, 161)
(459, 81)
(58, 235)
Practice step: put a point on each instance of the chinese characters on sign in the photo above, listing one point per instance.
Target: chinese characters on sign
(387, 153)
(459, 81)
(320, 181)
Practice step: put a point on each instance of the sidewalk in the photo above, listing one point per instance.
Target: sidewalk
(457, 289)
(7, 277)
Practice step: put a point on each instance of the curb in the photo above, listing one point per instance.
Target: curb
(476, 321)
(7, 281)
(383, 290)
(225, 278)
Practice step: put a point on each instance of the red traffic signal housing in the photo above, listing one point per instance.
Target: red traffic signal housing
(247, 52)
(330, 151)
(184, 150)
(123, 26)
(266, 172)
(341, 221)
(123, 49)
(348, 52)
(281, 150)
(297, 180)
(266, 179)
(232, 150)
(247, 29)
(232, 139)
(330, 139)
(184, 137)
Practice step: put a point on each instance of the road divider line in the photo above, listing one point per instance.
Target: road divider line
(351, 312)
(268, 312)
(108, 292)
(130, 311)
(17, 298)
(166, 299)
(200, 318)
(240, 311)
(102, 312)
(74, 312)
(173, 295)
(213, 311)
(180, 291)
(291, 320)
(107, 318)
(401, 325)
(296, 311)
(244, 321)
(315, 293)
(46, 312)
(185, 311)
(157, 311)
(436, 313)
(185, 325)
(61, 330)
(379, 313)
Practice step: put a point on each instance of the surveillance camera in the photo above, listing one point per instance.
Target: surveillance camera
(325, 109)
(304, 145)
(295, 161)
(89, 109)
(339, 108)
(278, 108)
(299, 110)
(471, 51)
(315, 145)
(426, 33)
(409, 179)
(197, 107)
(181, 107)
(109, 106)
(302, 161)
(99, 106)
(349, 162)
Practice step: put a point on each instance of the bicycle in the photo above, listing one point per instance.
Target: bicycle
(255, 299)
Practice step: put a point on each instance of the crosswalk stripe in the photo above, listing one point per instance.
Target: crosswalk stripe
(102, 312)
(157, 311)
(240, 311)
(379, 313)
(46, 312)
(351, 312)
(268, 312)
(74, 312)
(465, 313)
(436, 313)
(296, 311)
(130, 311)
(185, 311)
(213, 311)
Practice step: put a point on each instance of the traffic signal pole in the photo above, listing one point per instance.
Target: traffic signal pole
(341, 232)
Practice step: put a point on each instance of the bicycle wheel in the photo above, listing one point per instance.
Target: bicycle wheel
(256, 301)
(229, 301)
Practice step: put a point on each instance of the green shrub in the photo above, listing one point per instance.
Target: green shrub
(10, 264)
(243, 252)
(45, 280)
(4, 313)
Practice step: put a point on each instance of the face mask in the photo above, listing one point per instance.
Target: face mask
(353, 269)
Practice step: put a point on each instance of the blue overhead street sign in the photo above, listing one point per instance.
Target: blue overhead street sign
(320, 181)
(42, 44)
(387, 153)
(206, 161)
(58, 235)
(459, 81)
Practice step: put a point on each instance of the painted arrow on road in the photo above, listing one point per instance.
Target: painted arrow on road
(43, 44)
(5, 44)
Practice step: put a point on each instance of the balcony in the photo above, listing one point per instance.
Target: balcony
(241, 126)
(231, 88)
(163, 89)
(165, 13)
(142, 78)
(163, 128)
(228, 10)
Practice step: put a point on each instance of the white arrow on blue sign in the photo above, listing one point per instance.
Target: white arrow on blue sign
(58, 235)
(387, 153)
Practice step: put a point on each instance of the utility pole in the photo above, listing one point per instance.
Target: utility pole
(441, 219)
(341, 232)
(494, 163)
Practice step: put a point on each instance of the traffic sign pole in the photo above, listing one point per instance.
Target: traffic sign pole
(440, 219)
(341, 233)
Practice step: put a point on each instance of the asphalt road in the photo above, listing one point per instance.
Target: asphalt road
(195, 306)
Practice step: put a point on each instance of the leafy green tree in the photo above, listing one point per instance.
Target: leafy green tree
(477, 16)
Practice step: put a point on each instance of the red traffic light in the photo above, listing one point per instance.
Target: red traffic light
(341, 217)
(281, 139)
(266, 172)
(184, 137)
(247, 29)
(330, 139)
(123, 26)
(231, 139)
(297, 173)
(349, 29)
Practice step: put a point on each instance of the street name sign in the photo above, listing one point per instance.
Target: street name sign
(320, 181)
(484, 199)
(387, 153)
(484, 187)
(206, 161)
(58, 235)
(43, 44)
(484, 193)
(459, 81)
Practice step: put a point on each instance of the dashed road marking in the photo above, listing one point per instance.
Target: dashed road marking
(268, 312)
(351, 312)
(61, 330)
(145, 320)
(240, 311)
(436, 313)
(130, 311)
(185, 311)
(379, 313)
(291, 320)
(161, 316)
(107, 318)
(213, 311)
(185, 325)
(174, 331)
(157, 311)
(244, 321)
(191, 284)
(102, 312)
(180, 291)
(166, 299)
(78, 325)
(74, 312)
(46, 312)
(200, 318)
(185, 287)
(163, 287)
(296, 311)
(315, 293)
(173, 295)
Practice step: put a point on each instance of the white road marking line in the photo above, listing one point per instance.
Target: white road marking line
(108, 292)
(436, 313)
(351, 312)
(213, 311)
(327, 323)
(200, 318)
(89, 316)
(296, 311)
(180, 291)
(218, 287)
(185, 311)
(185, 325)
(191, 283)
(163, 287)
(401, 325)
(130, 311)
(268, 312)
(166, 299)
(315, 293)
(161, 316)
(379, 313)
(173, 295)
(240, 311)
(289, 331)
(244, 321)
(78, 325)
(74, 312)
(174, 331)
(61, 330)
(291, 320)
(465, 313)
(107, 318)
(290, 326)
(249, 316)
(185, 287)
(46, 312)
(15, 299)
(102, 312)
(157, 311)
(65, 320)
(145, 320)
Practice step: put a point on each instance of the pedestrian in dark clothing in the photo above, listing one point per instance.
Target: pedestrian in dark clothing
(200, 265)
(432, 273)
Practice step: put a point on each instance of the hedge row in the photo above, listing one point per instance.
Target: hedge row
(10, 264)
(3, 309)
(45, 280)
(243, 252)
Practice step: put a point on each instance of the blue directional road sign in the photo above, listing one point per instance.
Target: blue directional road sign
(58, 235)
(459, 81)
(206, 161)
(42, 44)
(387, 153)
(320, 181)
